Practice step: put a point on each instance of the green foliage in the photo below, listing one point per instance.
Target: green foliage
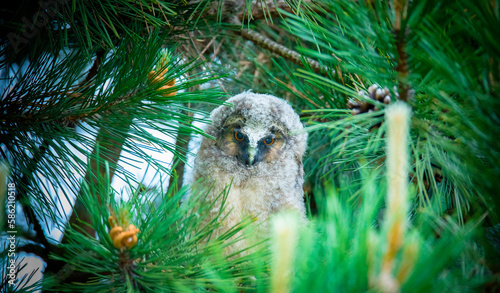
(42, 125)
(343, 248)
(453, 70)
(340, 249)
(91, 80)
(171, 255)
(50, 26)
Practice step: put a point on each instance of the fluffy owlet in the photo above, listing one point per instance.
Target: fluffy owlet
(256, 149)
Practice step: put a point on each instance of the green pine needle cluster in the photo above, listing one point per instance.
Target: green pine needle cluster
(172, 253)
(87, 82)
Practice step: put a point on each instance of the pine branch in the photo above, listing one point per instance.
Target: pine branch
(95, 67)
(182, 139)
(280, 50)
(181, 145)
(108, 148)
(259, 39)
(400, 29)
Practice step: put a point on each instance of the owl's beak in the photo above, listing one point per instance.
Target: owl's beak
(251, 155)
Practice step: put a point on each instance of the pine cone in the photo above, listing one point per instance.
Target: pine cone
(375, 93)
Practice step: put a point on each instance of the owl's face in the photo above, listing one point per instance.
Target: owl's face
(253, 133)
(251, 142)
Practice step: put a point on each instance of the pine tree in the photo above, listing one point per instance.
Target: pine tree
(94, 77)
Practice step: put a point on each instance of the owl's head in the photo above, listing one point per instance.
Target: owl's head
(257, 128)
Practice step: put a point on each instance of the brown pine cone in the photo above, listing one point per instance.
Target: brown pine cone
(375, 93)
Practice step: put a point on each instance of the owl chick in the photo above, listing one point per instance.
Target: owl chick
(256, 150)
